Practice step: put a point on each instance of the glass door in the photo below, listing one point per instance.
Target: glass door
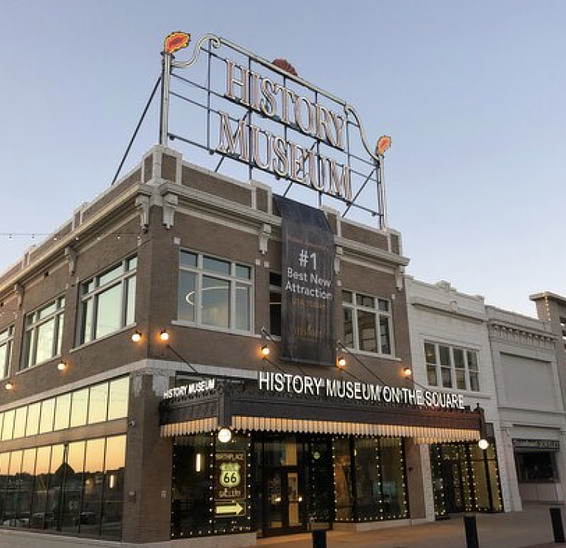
(284, 508)
(452, 472)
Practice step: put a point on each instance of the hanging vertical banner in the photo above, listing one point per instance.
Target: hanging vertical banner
(307, 285)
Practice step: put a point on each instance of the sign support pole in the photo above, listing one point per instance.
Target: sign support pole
(381, 192)
(165, 87)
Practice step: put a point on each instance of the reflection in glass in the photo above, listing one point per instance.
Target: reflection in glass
(191, 489)
(39, 499)
(368, 488)
(111, 526)
(47, 415)
(275, 500)
(430, 353)
(118, 400)
(93, 482)
(366, 331)
(20, 422)
(62, 410)
(131, 300)
(57, 471)
(215, 302)
(98, 403)
(188, 259)
(45, 336)
(384, 334)
(348, 328)
(243, 272)
(216, 265)
(394, 492)
(73, 473)
(8, 428)
(242, 307)
(112, 274)
(4, 466)
(11, 500)
(79, 406)
(108, 311)
(25, 481)
(431, 374)
(343, 480)
(86, 321)
(32, 427)
(186, 299)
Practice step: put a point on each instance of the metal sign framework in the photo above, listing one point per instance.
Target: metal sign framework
(258, 114)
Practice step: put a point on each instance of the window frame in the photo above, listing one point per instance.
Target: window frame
(379, 315)
(452, 367)
(33, 322)
(200, 272)
(90, 297)
(8, 342)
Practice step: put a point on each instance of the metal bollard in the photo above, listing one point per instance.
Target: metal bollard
(319, 539)
(471, 532)
(557, 528)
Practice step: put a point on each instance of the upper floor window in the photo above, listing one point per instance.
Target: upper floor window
(214, 292)
(44, 333)
(275, 303)
(6, 338)
(108, 301)
(367, 323)
(451, 367)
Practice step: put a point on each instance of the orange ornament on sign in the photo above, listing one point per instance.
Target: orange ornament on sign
(176, 41)
(383, 143)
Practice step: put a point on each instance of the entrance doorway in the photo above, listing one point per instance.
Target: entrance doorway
(284, 506)
(453, 488)
(291, 482)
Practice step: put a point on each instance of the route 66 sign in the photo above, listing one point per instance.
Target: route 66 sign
(230, 474)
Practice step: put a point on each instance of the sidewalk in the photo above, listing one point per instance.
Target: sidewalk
(531, 528)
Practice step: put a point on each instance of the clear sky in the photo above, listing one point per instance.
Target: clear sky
(472, 93)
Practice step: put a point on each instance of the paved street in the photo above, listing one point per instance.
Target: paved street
(531, 528)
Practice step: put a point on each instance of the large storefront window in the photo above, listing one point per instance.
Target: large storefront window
(367, 323)
(536, 466)
(101, 402)
(210, 485)
(108, 301)
(287, 488)
(214, 293)
(74, 488)
(465, 478)
(44, 333)
(380, 479)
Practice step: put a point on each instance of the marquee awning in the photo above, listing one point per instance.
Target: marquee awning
(241, 406)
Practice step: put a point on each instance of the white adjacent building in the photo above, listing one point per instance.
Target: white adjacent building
(505, 363)
(531, 408)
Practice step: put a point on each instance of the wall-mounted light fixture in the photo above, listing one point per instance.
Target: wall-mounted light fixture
(407, 372)
(61, 366)
(198, 462)
(224, 435)
(341, 361)
(9, 385)
(265, 350)
(164, 335)
(483, 444)
(136, 337)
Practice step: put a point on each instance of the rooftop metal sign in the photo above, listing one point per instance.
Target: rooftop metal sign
(238, 107)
